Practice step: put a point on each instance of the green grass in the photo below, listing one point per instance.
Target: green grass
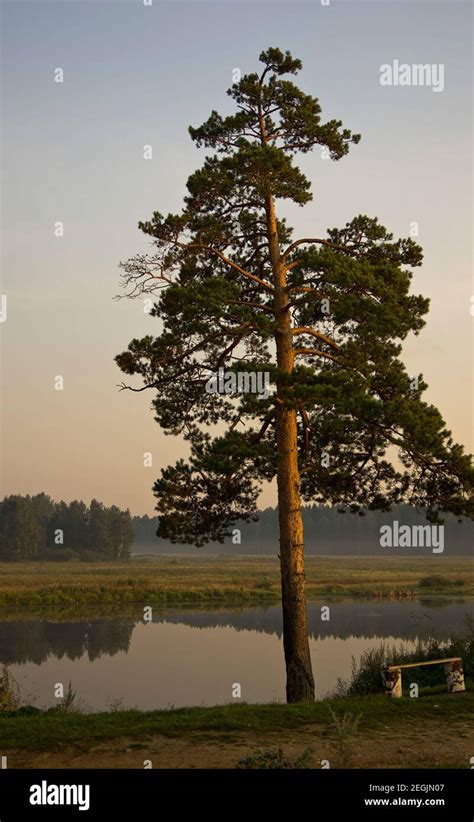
(29, 729)
(365, 676)
(167, 580)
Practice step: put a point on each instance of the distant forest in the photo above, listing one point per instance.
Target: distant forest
(327, 532)
(36, 528)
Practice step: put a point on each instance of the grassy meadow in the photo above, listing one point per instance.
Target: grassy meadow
(227, 580)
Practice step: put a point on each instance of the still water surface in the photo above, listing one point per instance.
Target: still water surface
(193, 657)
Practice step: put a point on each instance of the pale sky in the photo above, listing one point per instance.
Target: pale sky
(73, 152)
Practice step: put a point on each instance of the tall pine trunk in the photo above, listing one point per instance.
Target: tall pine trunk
(299, 675)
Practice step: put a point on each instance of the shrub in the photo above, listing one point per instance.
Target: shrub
(68, 704)
(346, 727)
(90, 556)
(265, 583)
(59, 555)
(366, 676)
(275, 760)
(434, 581)
(9, 699)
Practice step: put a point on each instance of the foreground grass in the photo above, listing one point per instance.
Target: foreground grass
(227, 580)
(36, 731)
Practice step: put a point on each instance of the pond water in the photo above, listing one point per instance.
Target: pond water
(193, 657)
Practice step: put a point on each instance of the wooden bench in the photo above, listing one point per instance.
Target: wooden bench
(392, 675)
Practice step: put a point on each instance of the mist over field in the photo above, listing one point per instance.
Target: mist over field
(328, 533)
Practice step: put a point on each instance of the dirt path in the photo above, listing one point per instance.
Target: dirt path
(425, 745)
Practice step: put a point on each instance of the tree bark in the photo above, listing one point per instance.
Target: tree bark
(299, 675)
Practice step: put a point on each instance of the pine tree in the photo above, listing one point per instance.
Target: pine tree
(43, 509)
(323, 317)
(21, 534)
(120, 532)
(99, 541)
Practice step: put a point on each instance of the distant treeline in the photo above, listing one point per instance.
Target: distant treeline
(37, 528)
(327, 532)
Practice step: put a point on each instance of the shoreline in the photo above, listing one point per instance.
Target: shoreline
(432, 731)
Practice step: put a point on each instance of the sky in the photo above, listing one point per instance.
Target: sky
(72, 152)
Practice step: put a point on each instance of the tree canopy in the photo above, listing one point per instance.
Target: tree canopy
(366, 436)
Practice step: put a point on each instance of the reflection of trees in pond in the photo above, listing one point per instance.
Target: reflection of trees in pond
(407, 620)
(439, 604)
(34, 640)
